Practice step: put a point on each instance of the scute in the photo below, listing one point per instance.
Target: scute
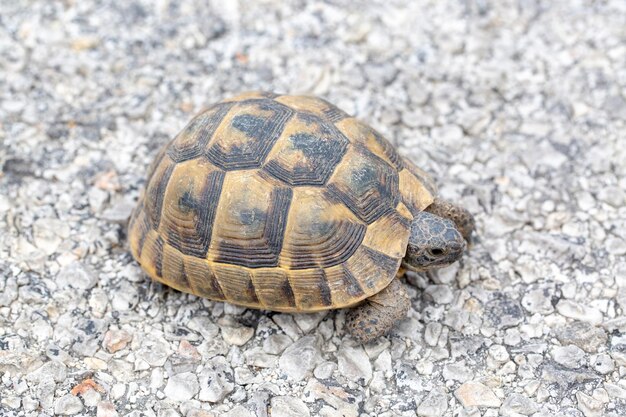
(307, 152)
(247, 133)
(250, 221)
(278, 202)
(367, 185)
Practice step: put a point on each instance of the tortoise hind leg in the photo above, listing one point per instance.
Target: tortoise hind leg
(462, 218)
(376, 315)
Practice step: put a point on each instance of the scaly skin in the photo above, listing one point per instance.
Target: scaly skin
(462, 218)
(377, 315)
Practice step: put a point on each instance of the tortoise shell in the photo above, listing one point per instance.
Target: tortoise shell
(277, 202)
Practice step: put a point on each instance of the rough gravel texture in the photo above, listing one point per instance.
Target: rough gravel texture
(518, 108)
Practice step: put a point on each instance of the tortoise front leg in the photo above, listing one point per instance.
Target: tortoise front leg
(462, 218)
(376, 315)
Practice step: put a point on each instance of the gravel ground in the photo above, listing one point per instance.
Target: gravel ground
(518, 108)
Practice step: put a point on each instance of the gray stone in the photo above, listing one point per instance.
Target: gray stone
(299, 359)
(182, 387)
(56, 370)
(68, 405)
(574, 310)
(602, 363)
(205, 326)
(239, 411)
(569, 356)
(286, 406)
(237, 336)
(77, 275)
(435, 404)
(276, 343)
(216, 380)
(587, 337)
(516, 404)
(538, 301)
(258, 358)
(345, 403)
(475, 394)
(308, 322)
(354, 364)
(504, 312)
(440, 294)
(324, 370)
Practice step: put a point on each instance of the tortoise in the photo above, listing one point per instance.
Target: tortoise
(287, 203)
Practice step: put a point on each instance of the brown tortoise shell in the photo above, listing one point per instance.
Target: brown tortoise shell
(277, 202)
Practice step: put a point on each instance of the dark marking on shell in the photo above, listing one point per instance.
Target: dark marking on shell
(158, 256)
(345, 237)
(205, 207)
(353, 288)
(156, 193)
(288, 294)
(324, 289)
(261, 132)
(191, 142)
(369, 189)
(384, 262)
(322, 150)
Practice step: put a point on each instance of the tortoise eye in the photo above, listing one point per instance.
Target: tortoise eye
(436, 252)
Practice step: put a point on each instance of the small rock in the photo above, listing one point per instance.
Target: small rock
(11, 402)
(285, 406)
(216, 380)
(118, 212)
(9, 293)
(154, 350)
(54, 369)
(345, 403)
(475, 394)
(115, 340)
(68, 405)
(91, 398)
(503, 312)
(434, 404)
(256, 357)
(457, 371)
(325, 370)
(125, 298)
(77, 275)
(432, 333)
(308, 322)
(354, 364)
(106, 409)
(582, 334)
(602, 363)
(569, 356)
(205, 326)
(440, 294)
(237, 336)
(182, 387)
(538, 301)
(239, 411)
(288, 325)
(48, 234)
(118, 391)
(276, 343)
(571, 309)
(516, 404)
(44, 391)
(299, 359)
(590, 406)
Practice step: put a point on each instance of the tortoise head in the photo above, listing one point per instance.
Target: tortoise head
(434, 242)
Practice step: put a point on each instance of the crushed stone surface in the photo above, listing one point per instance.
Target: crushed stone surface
(518, 108)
